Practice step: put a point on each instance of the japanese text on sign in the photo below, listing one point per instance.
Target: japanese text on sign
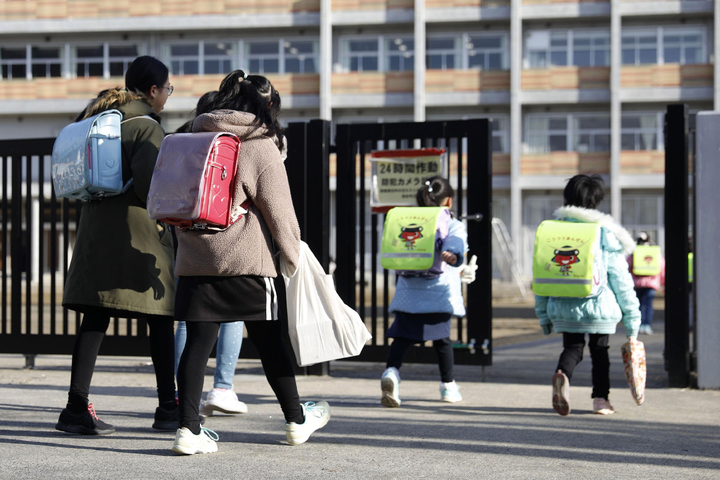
(398, 174)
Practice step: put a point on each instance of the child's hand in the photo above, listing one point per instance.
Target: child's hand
(449, 258)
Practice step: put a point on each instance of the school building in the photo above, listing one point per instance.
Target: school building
(572, 86)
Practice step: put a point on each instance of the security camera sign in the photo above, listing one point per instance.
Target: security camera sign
(397, 175)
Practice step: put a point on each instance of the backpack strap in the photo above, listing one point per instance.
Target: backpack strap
(129, 183)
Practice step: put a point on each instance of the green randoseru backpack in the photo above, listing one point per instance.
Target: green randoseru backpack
(646, 260)
(567, 260)
(408, 241)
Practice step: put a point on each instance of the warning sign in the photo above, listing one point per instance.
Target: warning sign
(397, 175)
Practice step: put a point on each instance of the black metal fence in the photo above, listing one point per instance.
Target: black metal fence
(679, 145)
(469, 145)
(38, 230)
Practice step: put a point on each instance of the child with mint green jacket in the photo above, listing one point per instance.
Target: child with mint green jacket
(596, 316)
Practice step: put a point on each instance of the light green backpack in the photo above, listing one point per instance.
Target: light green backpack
(646, 260)
(567, 260)
(408, 241)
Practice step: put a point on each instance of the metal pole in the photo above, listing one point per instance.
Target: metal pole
(677, 339)
(479, 200)
(419, 67)
(326, 59)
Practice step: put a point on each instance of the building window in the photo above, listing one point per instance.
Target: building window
(640, 131)
(400, 54)
(591, 49)
(644, 213)
(263, 57)
(46, 62)
(546, 134)
(547, 49)
(301, 56)
(591, 133)
(14, 63)
(486, 52)
(499, 135)
(185, 59)
(559, 48)
(443, 53)
(89, 61)
(361, 55)
(639, 48)
(683, 48)
(218, 57)
(120, 58)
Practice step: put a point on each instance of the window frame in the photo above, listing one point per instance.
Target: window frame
(315, 55)
(392, 53)
(658, 131)
(458, 52)
(570, 35)
(26, 61)
(346, 56)
(660, 32)
(62, 60)
(570, 131)
(504, 49)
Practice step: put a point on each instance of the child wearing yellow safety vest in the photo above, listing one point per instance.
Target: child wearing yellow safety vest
(646, 281)
(598, 314)
(424, 304)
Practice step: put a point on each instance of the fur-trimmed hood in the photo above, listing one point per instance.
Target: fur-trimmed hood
(593, 216)
(112, 98)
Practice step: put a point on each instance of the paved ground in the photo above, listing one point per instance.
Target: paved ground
(505, 427)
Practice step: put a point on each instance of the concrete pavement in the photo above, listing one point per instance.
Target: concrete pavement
(504, 428)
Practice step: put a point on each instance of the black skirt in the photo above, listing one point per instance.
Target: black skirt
(225, 299)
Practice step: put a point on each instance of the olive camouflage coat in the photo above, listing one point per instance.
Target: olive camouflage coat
(122, 262)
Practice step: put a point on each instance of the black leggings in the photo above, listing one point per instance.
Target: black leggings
(87, 345)
(278, 366)
(574, 344)
(443, 348)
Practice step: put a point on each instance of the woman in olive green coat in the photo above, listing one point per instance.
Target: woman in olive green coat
(122, 264)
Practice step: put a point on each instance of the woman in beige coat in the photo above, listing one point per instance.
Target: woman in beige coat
(228, 276)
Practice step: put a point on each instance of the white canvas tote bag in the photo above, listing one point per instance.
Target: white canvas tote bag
(320, 325)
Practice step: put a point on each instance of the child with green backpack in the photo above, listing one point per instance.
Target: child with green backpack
(583, 286)
(424, 244)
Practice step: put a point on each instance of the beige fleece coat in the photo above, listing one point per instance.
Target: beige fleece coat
(246, 247)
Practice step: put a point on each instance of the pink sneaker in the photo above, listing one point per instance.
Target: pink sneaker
(602, 406)
(561, 393)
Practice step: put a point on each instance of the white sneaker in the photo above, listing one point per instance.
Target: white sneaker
(450, 392)
(316, 416)
(187, 443)
(390, 385)
(222, 400)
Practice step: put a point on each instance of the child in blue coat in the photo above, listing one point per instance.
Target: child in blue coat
(424, 305)
(598, 315)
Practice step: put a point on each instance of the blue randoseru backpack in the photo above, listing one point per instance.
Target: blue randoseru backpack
(87, 158)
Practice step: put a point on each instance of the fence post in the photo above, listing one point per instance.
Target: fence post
(677, 338)
(309, 177)
(16, 247)
(346, 204)
(479, 200)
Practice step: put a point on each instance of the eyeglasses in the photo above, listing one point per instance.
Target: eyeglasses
(169, 89)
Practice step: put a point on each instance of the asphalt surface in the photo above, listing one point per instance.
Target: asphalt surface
(504, 428)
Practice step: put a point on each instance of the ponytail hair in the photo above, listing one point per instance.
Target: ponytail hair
(434, 192)
(252, 94)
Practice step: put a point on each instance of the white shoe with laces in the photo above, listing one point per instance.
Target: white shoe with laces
(390, 386)
(222, 400)
(187, 443)
(450, 392)
(316, 416)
